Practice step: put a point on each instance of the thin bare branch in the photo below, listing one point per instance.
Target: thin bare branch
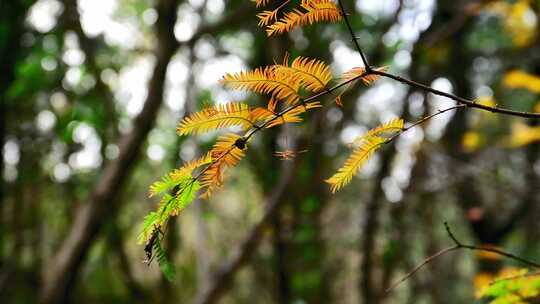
(425, 119)
(419, 266)
(353, 36)
(459, 245)
(461, 100)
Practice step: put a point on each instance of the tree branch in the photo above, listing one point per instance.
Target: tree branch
(459, 245)
(461, 100)
(353, 36)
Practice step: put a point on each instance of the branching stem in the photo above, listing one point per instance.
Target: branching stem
(458, 99)
(461, 103)
(353, 37)
(411, 83)
(459, 245)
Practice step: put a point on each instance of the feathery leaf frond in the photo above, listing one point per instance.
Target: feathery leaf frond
(271, 118)
(169, 181)
(196, 163)
(313, 74)
(220, 116)
(170, 205)
(227, 152)
(356, 160)
(266, 17)
(262, 115)
(264, 81)
(394, 125)
(313, 11)
(357, 71)
(353, 73)
(177, 176)
(260, 3)
(166, 267)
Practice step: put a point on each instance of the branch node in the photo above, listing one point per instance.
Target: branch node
(451, 235)
(240, 143)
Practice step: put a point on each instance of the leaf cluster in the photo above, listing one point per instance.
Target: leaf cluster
(512, 286)
(285, 85)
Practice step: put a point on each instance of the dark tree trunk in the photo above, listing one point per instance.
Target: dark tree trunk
(12, 15)
(62, 271)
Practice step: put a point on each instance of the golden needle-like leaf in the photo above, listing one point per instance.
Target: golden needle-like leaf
(221, 116)
(311, 11)
(355, 161)
(178, 176)
(260, 3)
(266, 17)
(394, 125)
(227, 152)
(313, 74)
(357, 71)
(265, 81)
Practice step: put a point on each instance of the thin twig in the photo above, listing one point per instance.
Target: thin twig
(459, 245)
(439, 112)
(462, 103)
(492, 250)
(354, 39)
(419, 266)
(423, 120)
(461, 100)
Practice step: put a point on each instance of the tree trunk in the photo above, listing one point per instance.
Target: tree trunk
(60, 275)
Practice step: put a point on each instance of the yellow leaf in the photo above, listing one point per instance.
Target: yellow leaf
(266, 17)
(394, 125)
(516, 20)
(521, 80)
(178, 176)
(487, 255)
(354, 73)
(221, 116)
(523, 135)
(265, 81)
(486, 101)
(260, 3)
(471, 141)
(355, 161)
(313, 74)
(311, 11)
(480, 281)
(227, 152)
(357, 71)
(261, 114)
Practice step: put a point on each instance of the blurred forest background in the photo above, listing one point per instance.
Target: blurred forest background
(91, 92)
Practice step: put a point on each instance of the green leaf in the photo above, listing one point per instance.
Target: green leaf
(150, 221)
(169, 206)
(166, 267)
(170, 181)
(513, 286)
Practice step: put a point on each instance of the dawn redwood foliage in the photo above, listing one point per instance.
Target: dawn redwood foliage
(292, 88)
